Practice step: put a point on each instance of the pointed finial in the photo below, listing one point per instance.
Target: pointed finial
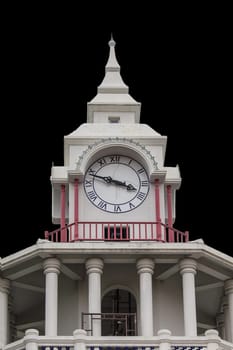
(112, 64)
(111, 42)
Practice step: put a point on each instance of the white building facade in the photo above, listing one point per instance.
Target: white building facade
(116, 273)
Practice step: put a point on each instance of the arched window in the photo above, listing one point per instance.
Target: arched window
(118, 313)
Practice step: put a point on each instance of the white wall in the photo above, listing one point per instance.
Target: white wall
(68, 313)
(120, 276)
(168, 305)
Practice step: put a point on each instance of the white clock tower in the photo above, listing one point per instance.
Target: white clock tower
(114, 168)
(116, 274)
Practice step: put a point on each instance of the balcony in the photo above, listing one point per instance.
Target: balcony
(117, 231)
(80, 341)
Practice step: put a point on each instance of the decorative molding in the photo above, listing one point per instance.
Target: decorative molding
(112, 141)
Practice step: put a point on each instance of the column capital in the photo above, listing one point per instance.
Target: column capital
(52, 265)
(188, 266)
(4, 285)
(94, 265)
(145, 265)
(228, 286)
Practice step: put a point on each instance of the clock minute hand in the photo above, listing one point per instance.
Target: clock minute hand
(109, 180)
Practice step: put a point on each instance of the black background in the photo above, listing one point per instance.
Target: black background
(176, 61)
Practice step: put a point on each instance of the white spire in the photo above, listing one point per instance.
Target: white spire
(113, 97)
(112, 82)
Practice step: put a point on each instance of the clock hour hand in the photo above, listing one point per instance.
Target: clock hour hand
(129, 187)
(109, 180)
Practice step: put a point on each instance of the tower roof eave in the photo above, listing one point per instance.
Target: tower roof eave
(114, 98)
(113, 82)
(32, 255)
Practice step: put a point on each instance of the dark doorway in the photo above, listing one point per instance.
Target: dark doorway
(119, 313)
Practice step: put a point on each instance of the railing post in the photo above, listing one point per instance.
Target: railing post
(30, 339)
(46, 234)
(63, 237)
(213, 339)
(76, 209)
(186, 233)
(79, 339)
(169, 214)
(164, 337)
(157, 209)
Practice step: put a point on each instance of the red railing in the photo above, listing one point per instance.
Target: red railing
(117, 231)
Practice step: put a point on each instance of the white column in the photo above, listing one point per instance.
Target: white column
(229, 294)
(51, 271)
(94, 268)
(145, 269)
(188, 271)
(4, 317)
(225, 308)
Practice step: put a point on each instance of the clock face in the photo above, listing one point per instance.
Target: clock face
(116, 183)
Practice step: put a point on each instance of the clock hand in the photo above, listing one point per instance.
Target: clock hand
(109, 179)
(120, 183)
(130, 187)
